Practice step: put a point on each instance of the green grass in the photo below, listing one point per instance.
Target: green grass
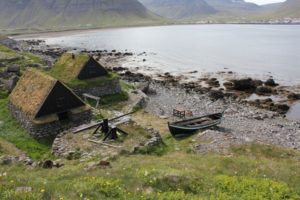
(176, 175)
(24, 58)
(7, 51)
(11, 131)
(75, 83)
(94, 81)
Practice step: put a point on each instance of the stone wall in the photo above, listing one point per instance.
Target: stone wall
(112, 87)
(49, 129)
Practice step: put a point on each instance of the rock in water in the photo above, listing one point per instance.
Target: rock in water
(262, 90)
(271, 82)
(244, 84)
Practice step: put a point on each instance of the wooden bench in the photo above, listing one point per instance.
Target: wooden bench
(89, 96)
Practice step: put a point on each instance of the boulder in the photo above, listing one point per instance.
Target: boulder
(228, 85)
(280, 108)
(144, 87)
(13, 69)
(213, 82)
(137, 99)
(244, 84)
(257, 83)
(216, 94)
(11, 83)
(7, 160)
(34, 65)
(270, 82)
(48, 164)
(10, 43)
(104, 164)
(263, 90)
(293, 96)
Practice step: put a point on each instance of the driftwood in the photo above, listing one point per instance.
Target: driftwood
(103, 143)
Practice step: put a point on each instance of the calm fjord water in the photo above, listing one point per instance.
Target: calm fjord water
(248, 49)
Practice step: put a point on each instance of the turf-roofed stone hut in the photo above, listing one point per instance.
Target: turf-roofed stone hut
(84, 74)
(45, 106)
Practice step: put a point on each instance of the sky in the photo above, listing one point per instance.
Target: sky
(261, 2)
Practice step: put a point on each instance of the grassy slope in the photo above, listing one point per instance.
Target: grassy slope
(289, 8)
(11, 131)
(24, 58)
(171, 172)
(174, 175)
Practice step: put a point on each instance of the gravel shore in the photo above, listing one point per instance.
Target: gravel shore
(242, 123)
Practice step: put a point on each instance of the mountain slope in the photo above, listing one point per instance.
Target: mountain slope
(290, 8)
(280, 11)
(233, 6)
(180, 9)
(200, 9)
(72, 13)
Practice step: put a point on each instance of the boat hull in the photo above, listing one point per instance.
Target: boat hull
(178, 131)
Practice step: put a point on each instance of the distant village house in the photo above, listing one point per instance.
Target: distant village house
(45, 106)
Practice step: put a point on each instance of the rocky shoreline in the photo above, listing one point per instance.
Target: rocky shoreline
(265, 94)
(205, 95)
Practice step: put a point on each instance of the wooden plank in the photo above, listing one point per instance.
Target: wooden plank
(91, 96)
(105, 144)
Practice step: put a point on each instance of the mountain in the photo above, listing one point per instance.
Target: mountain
(180, 9)
(66, 14)
(193, 9)
(281, 12)
(233, 6)
(290, 8)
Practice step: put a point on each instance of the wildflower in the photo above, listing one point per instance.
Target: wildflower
(42, 190)
(81, 195)
(146, 173)
(11, 181)
(61, 198)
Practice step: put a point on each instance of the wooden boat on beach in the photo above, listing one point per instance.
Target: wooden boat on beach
(189, 126)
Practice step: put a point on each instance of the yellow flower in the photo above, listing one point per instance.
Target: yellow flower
(42, 190)
(61, 198)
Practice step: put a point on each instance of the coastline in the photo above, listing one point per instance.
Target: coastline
(24, 35)
(278, 98)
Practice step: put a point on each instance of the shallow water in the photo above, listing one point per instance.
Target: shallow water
(294, 112)
(257, 50)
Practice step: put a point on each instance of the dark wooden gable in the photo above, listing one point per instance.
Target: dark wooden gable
(92, 69)
(60, 99)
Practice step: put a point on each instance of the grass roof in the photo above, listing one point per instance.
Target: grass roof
(67, 69)
(31, 91)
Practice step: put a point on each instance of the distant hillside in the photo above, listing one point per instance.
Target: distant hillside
(199, 9)
(279, 11)
(180, 9)
(290, 8)
(66, 14)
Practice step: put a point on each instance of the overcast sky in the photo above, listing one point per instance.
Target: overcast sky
(260, 2)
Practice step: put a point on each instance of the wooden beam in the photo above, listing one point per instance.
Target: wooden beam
(103, 143)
